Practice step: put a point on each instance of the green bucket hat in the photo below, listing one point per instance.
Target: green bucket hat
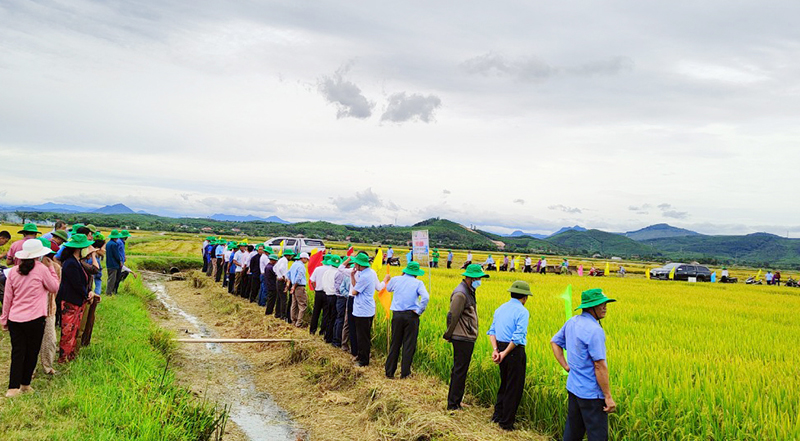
(76, 227)
(242, 244)
(29, 228)
(273, 257)
(520, 287)
(125, 233)
(289, 253)
(361, 260)
(92, 228)
(412, 269)
(326, 259)
(61, 234)
(260, 247)
(114, 234)
(593, 297)
(209, 238)
(474, 271)
(78, 241)
(99, 236)
(44, 242)
(335, 260)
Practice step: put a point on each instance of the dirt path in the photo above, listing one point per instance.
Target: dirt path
(220, 375)
(318, 384)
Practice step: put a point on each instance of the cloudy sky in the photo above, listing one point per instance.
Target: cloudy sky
(524, 115)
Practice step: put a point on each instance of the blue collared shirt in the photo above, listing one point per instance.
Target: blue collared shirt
(510, 323)
(409, 294)
(364, 302)
(122, 250)
(219, 251)
(114, 254)
(585, 342)
(297, 273)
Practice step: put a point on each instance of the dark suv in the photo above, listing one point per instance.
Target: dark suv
(682, 272)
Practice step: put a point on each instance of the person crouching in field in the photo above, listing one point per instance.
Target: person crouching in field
(589, 391)
(24, 311)
(508, 335)
(409, 300)
(462, 331)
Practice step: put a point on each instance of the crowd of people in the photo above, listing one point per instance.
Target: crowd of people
(51, 282)
(344, 289)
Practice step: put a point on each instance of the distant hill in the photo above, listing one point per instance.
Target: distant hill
(520, 233)
(760, 249)
(659, 231)
(248, 218)
(47, 207)
(563, 229)
(114, 209)
(589, 242)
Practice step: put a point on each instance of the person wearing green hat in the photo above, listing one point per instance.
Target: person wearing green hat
(206, 243)
(28, 231)
(508, 335)
(254, 270)
(462, 331)
(73, 294)
(113, 262)
(588, 386)
(57, 239)
(320, 298)
(363, 280)
(543, 266)
(219, 262)
(330, 286)
(435, 258)
(409, 300)
(271, 284)
(298, 281)
(230, 273)
(241, 259)
(282, 282)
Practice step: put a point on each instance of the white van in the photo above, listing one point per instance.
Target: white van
(298, 244)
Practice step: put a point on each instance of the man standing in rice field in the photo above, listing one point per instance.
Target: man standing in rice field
(588, 386)
(449, 258)
(409, 300)
(462, 331)
(508, 335)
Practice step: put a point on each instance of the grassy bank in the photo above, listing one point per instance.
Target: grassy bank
(118, 388)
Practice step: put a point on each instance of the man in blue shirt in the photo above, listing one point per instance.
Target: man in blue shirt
(219, 253)
(449, 258)
(297, 281)
(113, 262)
(508, 335)
(409, 300)
(364, 281)
(589, 391)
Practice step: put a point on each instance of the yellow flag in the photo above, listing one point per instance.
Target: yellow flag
(758, 276)
(377, 262)
(283, 242)
(647, 273)
(672, 273)
(608, 269)
(516, 264)
(385, 299)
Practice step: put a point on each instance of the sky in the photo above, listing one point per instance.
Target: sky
(518, 115)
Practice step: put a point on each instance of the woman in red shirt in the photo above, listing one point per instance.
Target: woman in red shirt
(24, 312)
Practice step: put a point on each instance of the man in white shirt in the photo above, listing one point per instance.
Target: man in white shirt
(240, 259)
(226, 257)
(281, 271)
(527, 264)
(543, 268)
(320, 298)
(330, 288)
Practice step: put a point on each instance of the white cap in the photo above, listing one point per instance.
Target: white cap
(303, 256)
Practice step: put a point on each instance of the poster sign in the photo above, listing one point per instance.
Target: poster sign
(419, 246)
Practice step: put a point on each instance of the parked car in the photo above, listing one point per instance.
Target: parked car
(683, 271)
(298, 244)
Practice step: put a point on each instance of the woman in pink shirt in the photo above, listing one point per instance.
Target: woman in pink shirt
(24, 312)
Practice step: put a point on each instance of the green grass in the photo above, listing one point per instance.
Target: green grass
(119, 388)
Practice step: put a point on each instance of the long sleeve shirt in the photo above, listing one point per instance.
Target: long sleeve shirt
(73, 287)
(409, 294)
(297, 274)
(364, 292)
(510, 323)
(25, 297)
(113, 255)
(282, 268)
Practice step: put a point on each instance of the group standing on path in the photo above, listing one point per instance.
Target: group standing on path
(54, 281)
(344, 290)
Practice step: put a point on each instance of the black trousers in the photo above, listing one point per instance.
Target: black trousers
(272, 296)
(26, 339)
(512, 382)
(405, 329)
(329, 318)
(231, 282)
(351, 325)
(319, 306)
(225, 274)
(280, 299)
(586, 417)
(363, 333)
(218, 273)
(255, 287)
(287, 313)
(449, 264)
(205, 263)
(462, 355)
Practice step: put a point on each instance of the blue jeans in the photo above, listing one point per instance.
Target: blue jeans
(341, 306)
(262, 293)
(98, 284)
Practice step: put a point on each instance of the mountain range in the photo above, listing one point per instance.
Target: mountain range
(248, 218)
